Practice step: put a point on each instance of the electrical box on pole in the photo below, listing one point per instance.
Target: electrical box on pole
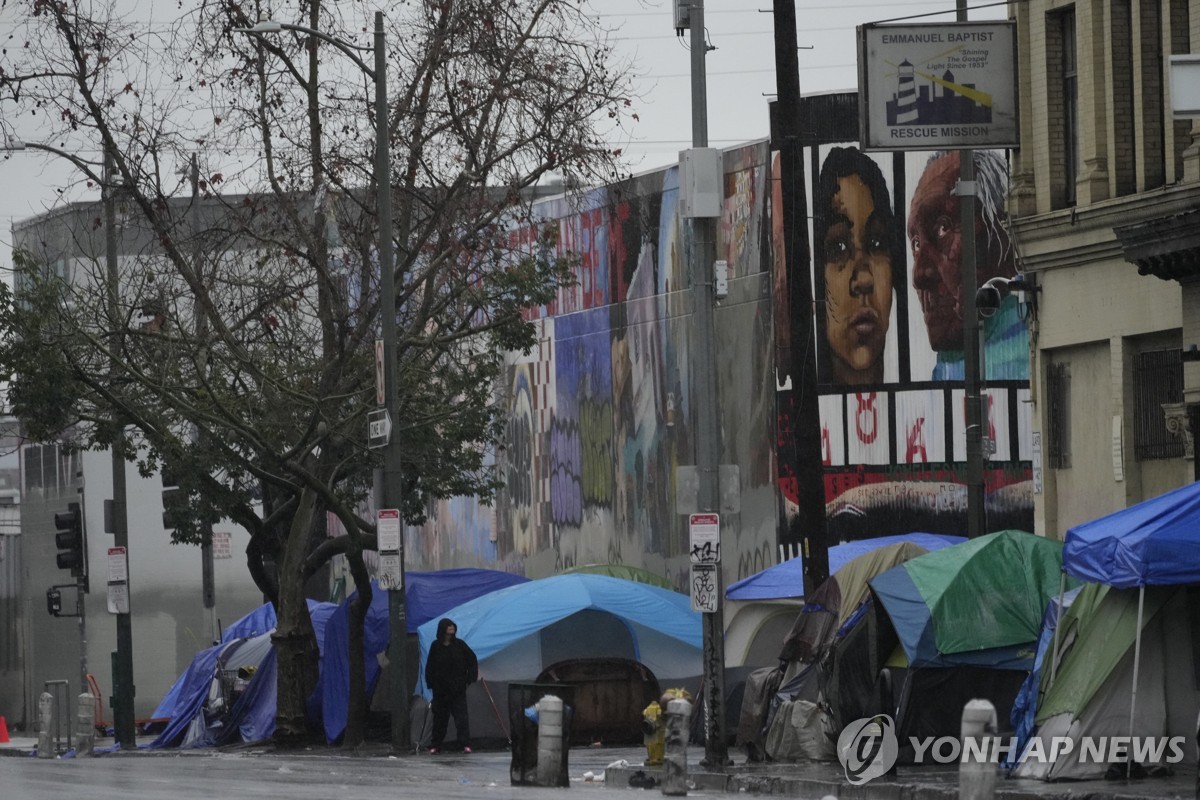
(683, 16)
(701, 184)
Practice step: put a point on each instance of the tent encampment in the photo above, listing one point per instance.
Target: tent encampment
(1123, 663)
(786, 580)
(520, 632)
(967, 618)
(828, 672)
(428, 596)
(227, 693)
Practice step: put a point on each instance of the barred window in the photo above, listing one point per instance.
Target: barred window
(1157, 379)
(1058, 389)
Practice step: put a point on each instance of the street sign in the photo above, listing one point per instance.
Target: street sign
(118, 580)
(387, 533)
(379, 428)
(380, 393)
(705, 597)
(704, 538)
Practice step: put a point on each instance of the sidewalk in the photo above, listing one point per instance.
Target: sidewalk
(817, 780)
(622, 769)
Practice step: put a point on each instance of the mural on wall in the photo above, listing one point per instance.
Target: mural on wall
(600, 415)
(888, 287)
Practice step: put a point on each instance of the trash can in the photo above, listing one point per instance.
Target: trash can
(522, 699)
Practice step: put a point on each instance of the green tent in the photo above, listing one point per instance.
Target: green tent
(1087, 692)
(623, 572)
(982, 595)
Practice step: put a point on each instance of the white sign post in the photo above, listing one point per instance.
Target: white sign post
(704, 546)
(379, 428)
(705, 597)
(387, 533)
(118, 580)
(704, 538)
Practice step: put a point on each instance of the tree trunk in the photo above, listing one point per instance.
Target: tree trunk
(294, 639)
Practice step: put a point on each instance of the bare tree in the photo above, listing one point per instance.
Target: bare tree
(239, 351)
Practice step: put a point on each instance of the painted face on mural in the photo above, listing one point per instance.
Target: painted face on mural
(935, 236)
(858, 283)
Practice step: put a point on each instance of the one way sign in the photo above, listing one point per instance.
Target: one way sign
(379, 428)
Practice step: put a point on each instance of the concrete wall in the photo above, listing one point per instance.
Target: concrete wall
(169, 621)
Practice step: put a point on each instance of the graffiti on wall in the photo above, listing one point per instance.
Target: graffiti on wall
(599, 416)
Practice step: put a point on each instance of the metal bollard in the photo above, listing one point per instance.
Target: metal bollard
(550, 740)
(85, 725)
(674, 782)
(45, 748)
(977, 777)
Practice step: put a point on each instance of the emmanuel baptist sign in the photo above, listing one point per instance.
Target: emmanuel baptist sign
(938, 86)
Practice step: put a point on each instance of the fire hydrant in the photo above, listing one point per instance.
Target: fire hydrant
(654, 725)
(654, 734)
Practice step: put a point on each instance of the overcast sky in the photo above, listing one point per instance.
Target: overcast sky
(741, 80)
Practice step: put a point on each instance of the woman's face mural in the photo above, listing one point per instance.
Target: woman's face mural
(858, 282)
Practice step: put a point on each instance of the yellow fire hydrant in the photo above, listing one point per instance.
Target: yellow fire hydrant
(654, 734)
(654, 725)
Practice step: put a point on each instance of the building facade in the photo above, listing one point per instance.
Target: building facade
(1105, 196)
(170, 620)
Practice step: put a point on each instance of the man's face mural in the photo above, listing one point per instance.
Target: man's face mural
(935, 235)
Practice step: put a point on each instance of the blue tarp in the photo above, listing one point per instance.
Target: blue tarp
(1024, 710)
(787, 579)
(1153, 543)
(259, 621)
(254, 711)
(256, 623)
(505, 628)
(428, 596)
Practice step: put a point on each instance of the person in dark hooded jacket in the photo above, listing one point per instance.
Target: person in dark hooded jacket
(450, 669)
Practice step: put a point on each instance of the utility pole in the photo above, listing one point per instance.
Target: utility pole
(122, 660)
(806, 410)
(976, 410)
(708, 446)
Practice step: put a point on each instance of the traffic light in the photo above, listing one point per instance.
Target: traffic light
(174, 499)
(69, 540)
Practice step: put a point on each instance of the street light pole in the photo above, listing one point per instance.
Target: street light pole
(976, 408)
(390, 494)
(122, 659)
(703, 257)
(397, 611)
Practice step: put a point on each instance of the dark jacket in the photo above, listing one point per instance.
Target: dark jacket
(452, 667)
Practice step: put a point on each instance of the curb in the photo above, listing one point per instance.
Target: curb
(933, 785)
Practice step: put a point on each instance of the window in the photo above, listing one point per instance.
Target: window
(1157, 379)
(1058, 388)
(1070, 85)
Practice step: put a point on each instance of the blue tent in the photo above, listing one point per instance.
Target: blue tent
(199, 710)
(1153, 543)
(1024, 708)
(787, 579)
(259, 621)
(428, 596)
(519, 631)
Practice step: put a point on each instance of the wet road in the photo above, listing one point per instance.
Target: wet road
(249, 775)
